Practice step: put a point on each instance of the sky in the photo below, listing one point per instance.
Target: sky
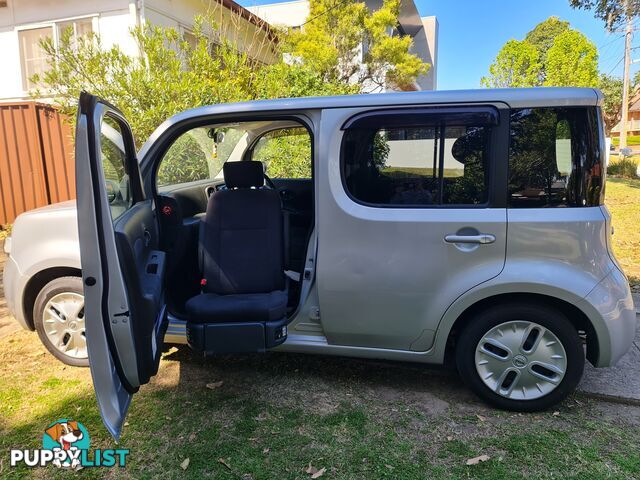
(473, 31)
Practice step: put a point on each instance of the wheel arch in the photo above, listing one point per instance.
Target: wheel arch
(575, 315)
(37, 282)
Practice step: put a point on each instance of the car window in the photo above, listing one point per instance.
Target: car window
(286, 153)
(428, 165)
(197, 154)
(113, 159)
(554, 157)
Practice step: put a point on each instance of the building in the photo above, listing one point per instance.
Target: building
(23, 23)
(633, 120)
(423, 30)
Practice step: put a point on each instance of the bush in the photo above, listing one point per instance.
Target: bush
(625, 167)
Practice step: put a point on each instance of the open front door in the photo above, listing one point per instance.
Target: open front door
(122, 268)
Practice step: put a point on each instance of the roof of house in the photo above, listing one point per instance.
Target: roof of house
(249, 16)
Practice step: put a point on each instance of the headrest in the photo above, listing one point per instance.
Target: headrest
(467, 146)
(243, 174)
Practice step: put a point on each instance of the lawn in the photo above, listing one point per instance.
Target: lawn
(623, 201)
(276, 414)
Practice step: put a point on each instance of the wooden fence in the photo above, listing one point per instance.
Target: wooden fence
(36, 158)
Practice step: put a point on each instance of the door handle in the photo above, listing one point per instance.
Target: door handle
(482, 238)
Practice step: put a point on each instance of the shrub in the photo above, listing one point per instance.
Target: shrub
(625, 167)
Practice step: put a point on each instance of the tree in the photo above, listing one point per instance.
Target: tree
(612, 12)
(552, 54)
(542, 37)
(517, 65)
(611, 87)
(346, 43)
(572, 61)
(171, 75)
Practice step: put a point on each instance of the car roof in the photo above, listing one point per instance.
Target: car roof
(513, 97)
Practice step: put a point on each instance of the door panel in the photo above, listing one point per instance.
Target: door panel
(122, 266)
(386, 274)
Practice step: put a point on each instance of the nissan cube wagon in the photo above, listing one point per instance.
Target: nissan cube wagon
(407, 226)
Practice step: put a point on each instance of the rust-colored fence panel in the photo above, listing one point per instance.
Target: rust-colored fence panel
(57, 152)
(36, 158)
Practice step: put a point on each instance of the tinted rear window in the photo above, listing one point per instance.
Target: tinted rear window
(555, 157)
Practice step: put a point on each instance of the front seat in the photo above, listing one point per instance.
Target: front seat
(243, 304)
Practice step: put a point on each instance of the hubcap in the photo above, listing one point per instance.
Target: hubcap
(521, 360)
(63, 320)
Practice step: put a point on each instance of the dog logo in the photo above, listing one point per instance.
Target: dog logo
(65, 444)
(66, 438)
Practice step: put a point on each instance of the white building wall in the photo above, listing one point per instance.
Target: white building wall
(113, 19)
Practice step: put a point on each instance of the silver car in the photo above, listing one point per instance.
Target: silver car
(418, 227)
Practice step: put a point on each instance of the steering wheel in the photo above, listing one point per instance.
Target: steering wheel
(270, 183)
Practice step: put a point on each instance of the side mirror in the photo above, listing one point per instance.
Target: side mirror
(216, 135)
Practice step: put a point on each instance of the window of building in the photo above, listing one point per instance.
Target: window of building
(439, 160)
(32, 56)
(554, 157)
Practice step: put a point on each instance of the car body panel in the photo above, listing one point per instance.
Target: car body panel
(113, 399)
(43, 238)
(385, 275)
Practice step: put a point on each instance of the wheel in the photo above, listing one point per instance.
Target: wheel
(58, 315)
(520, 357)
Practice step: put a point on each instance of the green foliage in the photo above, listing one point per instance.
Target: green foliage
(286, 153)
(611, 88)
(572, 61)
(330, 40)
(517, 65)
(185, 161)
(625, 167)
(543, 34)
(612, 12)
(552, 54)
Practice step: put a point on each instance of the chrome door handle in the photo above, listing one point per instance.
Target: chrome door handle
(482, 238)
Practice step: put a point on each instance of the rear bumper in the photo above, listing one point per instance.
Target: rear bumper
(13, 283)
(617, 322)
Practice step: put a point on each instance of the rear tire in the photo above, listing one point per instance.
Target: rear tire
(520, 357)
(58, 315)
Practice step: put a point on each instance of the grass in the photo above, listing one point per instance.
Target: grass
(276, 414)
(623, 200)
(631, 140)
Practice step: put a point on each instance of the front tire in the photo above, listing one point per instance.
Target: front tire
(58, 315)
(520, 357)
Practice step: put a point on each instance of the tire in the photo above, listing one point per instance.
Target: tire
(58, 315)
(536, 335)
